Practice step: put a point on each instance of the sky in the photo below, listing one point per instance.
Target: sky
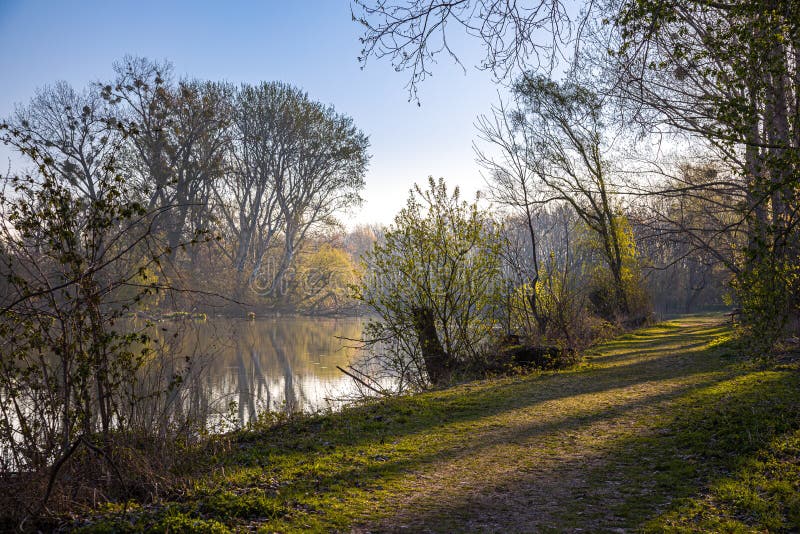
(313, 44)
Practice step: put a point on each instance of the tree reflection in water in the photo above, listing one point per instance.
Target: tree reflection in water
(239, 368)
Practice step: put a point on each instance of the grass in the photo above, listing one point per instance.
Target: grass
(660, 430)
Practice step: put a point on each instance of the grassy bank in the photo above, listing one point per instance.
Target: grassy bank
(662, 429)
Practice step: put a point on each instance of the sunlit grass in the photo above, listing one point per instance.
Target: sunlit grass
(657, 423)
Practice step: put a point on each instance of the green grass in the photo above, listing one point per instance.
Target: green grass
(762, 493)
(664, 429)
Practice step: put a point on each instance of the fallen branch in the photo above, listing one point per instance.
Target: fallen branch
(54, 474)
(362, 382)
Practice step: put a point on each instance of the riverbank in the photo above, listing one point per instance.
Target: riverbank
(662, 429)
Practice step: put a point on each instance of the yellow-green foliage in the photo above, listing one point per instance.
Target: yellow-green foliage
(323, 279)
(548, 288)
(519, 307)
(441, 254)
(140, 290)
(631, 273)
(638, 300)
(767, 292)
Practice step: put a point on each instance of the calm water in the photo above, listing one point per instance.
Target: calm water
(242, 368)
(233, 370)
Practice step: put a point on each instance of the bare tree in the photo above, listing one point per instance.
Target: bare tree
(516, 181)
(246, 197)
(179, 136)
(325, 175)
(566, 120)
(138, 95)
(71, 128)
(701, 209)
(295, 163)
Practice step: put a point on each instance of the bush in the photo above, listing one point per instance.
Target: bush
(434, 287)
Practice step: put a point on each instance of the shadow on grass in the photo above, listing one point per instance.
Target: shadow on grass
(406, 416)
(657, 339)
(333, 460)
(705, 435)
(476, 445)
(324, 452)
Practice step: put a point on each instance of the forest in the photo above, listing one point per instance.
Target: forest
(641, 166)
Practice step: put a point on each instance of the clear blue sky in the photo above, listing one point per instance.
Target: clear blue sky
(310, 43)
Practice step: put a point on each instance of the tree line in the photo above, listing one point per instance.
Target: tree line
(566, 254)
(261, 169)
(705, 94)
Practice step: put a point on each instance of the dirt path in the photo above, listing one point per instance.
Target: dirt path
(569, 453)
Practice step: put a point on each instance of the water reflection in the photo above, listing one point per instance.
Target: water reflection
(241, 368)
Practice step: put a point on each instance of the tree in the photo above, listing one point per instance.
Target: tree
(85, 239)
(691, 235)
(561, 286)
(566, 123)
(516, 182)
(322, 280)
(726, 73)
(407, 31)
(325, 171)
(434, 285)
(178, 136)
(70, 128)
(295, 163)
(125, 177)
(246, 196)
(361, 238)
(723, 73)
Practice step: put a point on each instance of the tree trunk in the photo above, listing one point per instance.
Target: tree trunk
(533, 297)
(437, 362)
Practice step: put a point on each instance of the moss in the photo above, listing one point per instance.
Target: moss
(170, 520)
(250, 505)
(180, 524)
(761, 494)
